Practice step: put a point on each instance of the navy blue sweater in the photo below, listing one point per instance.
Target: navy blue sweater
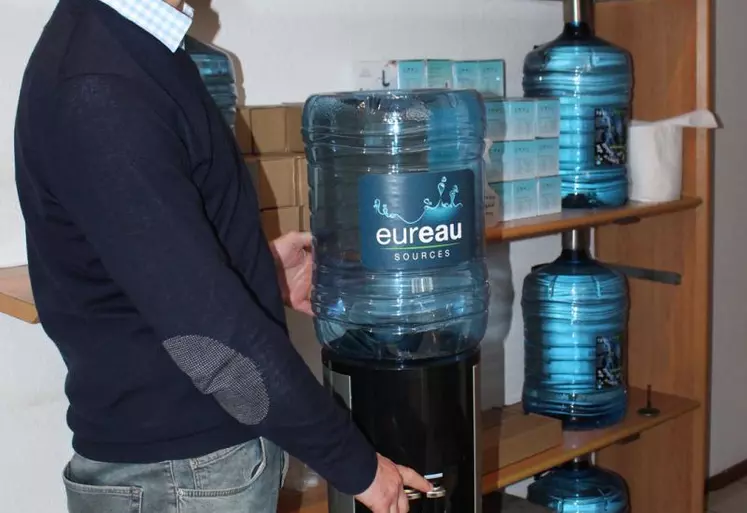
(148, 263)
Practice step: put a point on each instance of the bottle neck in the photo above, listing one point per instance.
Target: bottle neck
(579, 18)
(576, 245)
(574, 255)
(580, 463)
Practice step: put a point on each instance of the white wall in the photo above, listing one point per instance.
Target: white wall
(729, 382)
(288, 49)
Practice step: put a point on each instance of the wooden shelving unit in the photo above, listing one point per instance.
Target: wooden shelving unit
(669, 328)
(663, 459)
(570, 219)
(579, 443)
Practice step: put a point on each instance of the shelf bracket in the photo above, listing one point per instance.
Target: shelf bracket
(642, 273)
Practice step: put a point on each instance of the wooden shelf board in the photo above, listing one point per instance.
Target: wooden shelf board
(579, 443)
(16, 299)
(570, 219)
(574, 444)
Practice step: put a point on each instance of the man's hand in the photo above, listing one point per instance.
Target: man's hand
(386, 494)
(294, 263)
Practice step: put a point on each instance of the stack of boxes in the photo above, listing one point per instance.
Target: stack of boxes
(523, 164)
(523, 159)
(485, 76)
(522, 167)
(270, 138)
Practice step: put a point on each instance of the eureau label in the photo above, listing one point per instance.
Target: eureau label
(416, 220)
(609, 361)
(611, 147)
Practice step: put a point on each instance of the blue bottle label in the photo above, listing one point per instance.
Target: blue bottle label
(416, 220)
(611, 148)
(609, 361)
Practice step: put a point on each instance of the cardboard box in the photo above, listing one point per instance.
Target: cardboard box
(279, 221)
(244, 136)
(305, 219)
(277, 129)
(510, 435)
(280, 180)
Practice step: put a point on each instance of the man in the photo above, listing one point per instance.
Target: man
(152, 275)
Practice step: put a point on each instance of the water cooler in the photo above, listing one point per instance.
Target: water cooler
(400, 283)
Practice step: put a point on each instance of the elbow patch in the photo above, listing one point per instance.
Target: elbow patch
(233, 379)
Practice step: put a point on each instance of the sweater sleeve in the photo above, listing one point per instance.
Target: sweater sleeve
(122, 172)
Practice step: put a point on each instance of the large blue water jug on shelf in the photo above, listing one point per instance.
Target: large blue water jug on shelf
(575, 322)
(218, 74)
(593, 80)
(397, 214)
(579, 487)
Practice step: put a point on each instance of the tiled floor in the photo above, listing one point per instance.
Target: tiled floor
(732, 499)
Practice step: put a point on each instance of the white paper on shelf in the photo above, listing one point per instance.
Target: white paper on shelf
(655, 155)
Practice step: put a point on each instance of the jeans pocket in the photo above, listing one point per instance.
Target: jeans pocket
(243, 479)
(83, 498)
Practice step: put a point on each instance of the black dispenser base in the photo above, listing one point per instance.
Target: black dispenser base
(424, 415)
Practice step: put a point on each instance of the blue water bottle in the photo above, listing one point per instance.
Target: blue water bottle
(580, 487)
(218, 74)
(575, 321)
(397, 213)
(593, 80)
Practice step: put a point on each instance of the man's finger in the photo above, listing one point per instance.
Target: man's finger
(303, 239)
(414, 480)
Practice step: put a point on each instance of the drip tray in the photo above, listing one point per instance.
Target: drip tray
(502, 503)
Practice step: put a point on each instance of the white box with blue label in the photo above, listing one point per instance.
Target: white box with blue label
(511, 160)
(466, 74)
(548, 118)
(510, 119)
(549, 195)
(525, 198)
(411, 74)
(517, 199)
(492, 81)
(440, 73)
(548, 156)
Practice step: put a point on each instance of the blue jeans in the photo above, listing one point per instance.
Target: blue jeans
(241, 479)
